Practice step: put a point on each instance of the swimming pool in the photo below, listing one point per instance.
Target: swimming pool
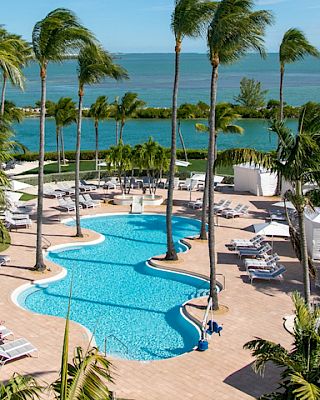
(133, 310)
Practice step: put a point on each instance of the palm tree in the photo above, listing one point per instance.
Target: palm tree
(127, 108)
(299, 155)
(18, 52)
(300, 372)
(94, 65)
(294, 47)
(120, 160)
(99, 111)
(11, 113)
(53, 37)
(234, 29)
(189, 19)
(225, 116)
(20, 387)
(64, 113)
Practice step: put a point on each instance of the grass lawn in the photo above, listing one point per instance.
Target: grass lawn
(27, 196)
(196, 165)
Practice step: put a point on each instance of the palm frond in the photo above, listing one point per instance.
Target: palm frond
(305, 389)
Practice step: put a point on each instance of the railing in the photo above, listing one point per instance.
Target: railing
(45, 243)
(118, 340)
(224, 281)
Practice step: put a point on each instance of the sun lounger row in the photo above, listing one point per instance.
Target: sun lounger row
(85, 200)
(222, 208)
(65, 189)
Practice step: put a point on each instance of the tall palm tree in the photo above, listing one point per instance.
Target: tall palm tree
(18, 54)
(64, 113)
(299, 163)
(294, 47)
(127, 108)
(11, 113)
(225, 116)
(94, 65)
(53, 37)
(188, 19)
(300, 372)
(235, 28)
(99, 111)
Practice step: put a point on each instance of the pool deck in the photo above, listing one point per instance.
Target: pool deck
(222, 372)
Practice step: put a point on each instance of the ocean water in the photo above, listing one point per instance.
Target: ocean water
(255, 135)
(132, 309)
(151, 76)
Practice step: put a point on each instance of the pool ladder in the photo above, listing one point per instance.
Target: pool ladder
(118, 340)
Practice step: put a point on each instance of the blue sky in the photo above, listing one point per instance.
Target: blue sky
(143, 25)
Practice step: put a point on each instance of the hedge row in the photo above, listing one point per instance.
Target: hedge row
(90, 155)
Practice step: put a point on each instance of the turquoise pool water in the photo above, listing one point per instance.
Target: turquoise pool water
(133, 310)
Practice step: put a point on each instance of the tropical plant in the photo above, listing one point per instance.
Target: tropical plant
(53, 37)
(94, 65)
(225, 115)
(294, 47)
(235, 28)
(251, 94)
(20, 387)
(99, 111)
(300, 372)
(14, 54)
(299, 155)
(11, 113)
(189, 19)
(64, 113)
(120, 160)
(127, 108)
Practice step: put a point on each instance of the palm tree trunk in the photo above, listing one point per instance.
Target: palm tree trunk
(117, 128)
(278, 189)
(182, 141)
(3, 93)
(96, 127)
(281, 91)
(121, 130)
(77, 171)
(210, 171)
(58, 148)
(303, 247)
(171, 251)
(40, 266)
(62, 146)
(203, 229)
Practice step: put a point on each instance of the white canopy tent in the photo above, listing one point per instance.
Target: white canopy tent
(272, 228)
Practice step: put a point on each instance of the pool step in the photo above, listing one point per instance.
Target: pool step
(200, 293)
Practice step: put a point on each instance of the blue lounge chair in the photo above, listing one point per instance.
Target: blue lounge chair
(276, 274)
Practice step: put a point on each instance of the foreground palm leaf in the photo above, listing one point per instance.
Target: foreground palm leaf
(300, 376)
(20, 387)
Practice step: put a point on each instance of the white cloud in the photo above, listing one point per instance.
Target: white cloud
(269, 2)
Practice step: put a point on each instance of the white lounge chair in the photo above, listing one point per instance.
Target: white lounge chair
(237, 212)
(256, 253)
(269, 261)
(9, 214)
(66, 188)
(15, 349)
(276, 274)
(253, 242)
(229, 209)
(88, 198)
(111, 184)
(196, 204)
(4, 259)
(5, 333)
(64, 205)
(219, 208)
(87, 186)
(18, 223)
(85, 203)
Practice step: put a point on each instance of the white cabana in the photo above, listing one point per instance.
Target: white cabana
(253, 179)
(312, 227)
(289, 205)
(272, 228)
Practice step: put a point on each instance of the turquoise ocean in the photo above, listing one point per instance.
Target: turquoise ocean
(151, 77)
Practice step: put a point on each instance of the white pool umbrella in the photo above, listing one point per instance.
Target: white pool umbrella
(272, 228)
(289, 205)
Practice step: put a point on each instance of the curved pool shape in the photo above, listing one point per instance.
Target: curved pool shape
(133, 310)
